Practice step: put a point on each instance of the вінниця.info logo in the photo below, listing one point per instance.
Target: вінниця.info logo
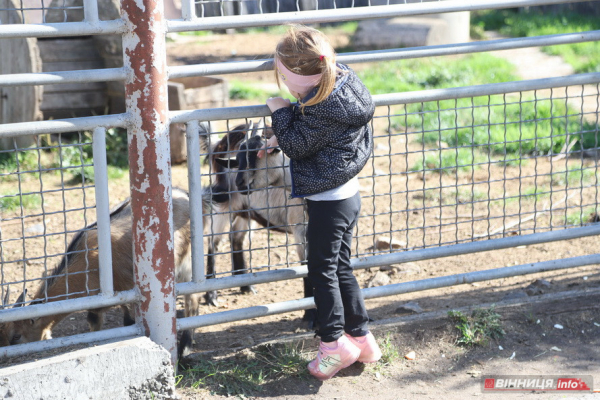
(541, 383)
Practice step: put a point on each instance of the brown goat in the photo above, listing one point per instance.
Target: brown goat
(77, 274)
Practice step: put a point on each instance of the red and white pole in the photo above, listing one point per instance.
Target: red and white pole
(144, 51)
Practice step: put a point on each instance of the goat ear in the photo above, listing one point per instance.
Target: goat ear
(227, 162)
(21, 300)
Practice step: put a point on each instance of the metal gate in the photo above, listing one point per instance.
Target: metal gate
(436, 185)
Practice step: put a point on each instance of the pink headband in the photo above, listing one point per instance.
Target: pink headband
(295, 82)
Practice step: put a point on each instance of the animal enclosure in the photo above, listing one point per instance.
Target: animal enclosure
(454, 171)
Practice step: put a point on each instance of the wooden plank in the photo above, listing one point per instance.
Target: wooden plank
(75, 87)
(65, 50)
(73, 101)
(176, 96)
(71, 65)
(18, 55)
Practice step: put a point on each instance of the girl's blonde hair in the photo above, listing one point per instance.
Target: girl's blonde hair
(307, 51)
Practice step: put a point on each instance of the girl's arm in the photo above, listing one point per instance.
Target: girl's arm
(302, 135)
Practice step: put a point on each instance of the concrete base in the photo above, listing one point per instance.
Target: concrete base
(135, 368)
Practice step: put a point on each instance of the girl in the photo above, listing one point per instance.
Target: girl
(328, 139)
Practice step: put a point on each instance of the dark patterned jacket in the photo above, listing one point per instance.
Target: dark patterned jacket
(331, 141)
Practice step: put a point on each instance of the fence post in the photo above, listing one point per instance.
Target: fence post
(144, 56)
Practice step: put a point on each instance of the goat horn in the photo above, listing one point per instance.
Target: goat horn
(250, 129)
(260, 127)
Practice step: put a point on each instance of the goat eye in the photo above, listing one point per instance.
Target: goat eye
(16, 337)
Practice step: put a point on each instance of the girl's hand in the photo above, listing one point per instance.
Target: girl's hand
(272, 143)
(275, 103)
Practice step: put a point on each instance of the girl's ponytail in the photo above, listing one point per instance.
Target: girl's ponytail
(329, 71)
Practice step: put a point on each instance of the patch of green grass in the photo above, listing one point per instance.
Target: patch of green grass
(448, 196)
(248, 91)
(18, 161)
(245, 375)
(389, 354)
(389, 351)
(584, 57)
(535, 193)
(432, 73)
(464, 196)
(12, 201)
(477, 328)
(498, 124)
(195, 33)
(579, 217)
(348, 28)
(448, 161)
(520, 127)
(573, 176)
(273, 30)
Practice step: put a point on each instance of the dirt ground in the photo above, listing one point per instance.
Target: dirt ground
(441, 368)
(531, 346)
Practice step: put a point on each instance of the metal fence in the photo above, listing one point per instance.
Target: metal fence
(454, 171)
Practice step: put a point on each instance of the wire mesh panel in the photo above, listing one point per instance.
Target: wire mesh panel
(40, 11)
(455, 171)
(48, 231)
(442, 173)
(209, 8)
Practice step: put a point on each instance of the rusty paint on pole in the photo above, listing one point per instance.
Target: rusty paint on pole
(144, 55)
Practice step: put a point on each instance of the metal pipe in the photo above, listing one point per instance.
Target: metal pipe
(192, 134)
(215, 114)
(43, 345)
(144, 55)
(349, 14)
(394, 258)
(392, 54)
(48, 78)
(117, 74)
(389, 290)
(486, 90)
(90, 11)
(188, 10)
(68, 306)
(63, 125)
(182, 71)
(102, 212)
(113, 27)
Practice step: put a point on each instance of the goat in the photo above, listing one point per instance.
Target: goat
(270, 208)
(77, 273)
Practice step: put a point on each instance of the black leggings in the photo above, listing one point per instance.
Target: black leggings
(340, 304)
